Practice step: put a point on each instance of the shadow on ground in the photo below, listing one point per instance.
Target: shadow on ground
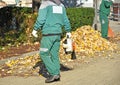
(43, 71)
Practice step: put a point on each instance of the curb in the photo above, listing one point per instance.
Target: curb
(20, 56)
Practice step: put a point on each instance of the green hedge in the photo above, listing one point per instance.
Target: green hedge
(80, 16)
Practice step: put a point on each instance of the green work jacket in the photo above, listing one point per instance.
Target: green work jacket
(105, 6)
(51, 18)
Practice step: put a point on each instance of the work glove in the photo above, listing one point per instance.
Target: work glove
(34, 33)
(68, 35)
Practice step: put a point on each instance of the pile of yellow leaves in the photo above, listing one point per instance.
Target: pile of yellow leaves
(89, 41)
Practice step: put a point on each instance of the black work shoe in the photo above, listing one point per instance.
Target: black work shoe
(52, 78)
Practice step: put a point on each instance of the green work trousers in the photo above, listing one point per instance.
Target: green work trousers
(104, 25)
(49, 53)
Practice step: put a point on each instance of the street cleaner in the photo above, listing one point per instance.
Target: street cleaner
(51, 18)
(104, 13)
